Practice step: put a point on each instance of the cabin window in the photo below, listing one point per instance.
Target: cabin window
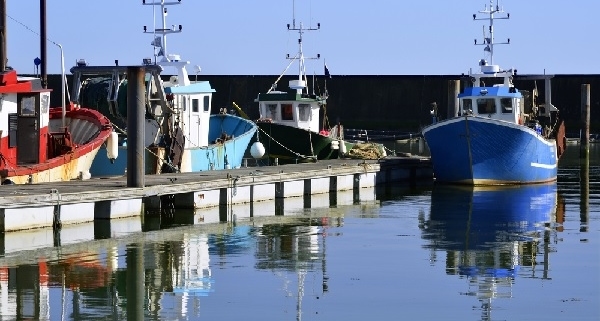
(184, 103)
(304, 112)
(207, 103)
(286, 112)
(45, 103)
(195, 105)
(467, 104)
(28, 106)
(506, 104)
(486, 105)
(272, 111)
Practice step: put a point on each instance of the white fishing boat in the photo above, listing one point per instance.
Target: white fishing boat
(181, 132)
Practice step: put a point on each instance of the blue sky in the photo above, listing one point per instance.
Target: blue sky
(376, 37)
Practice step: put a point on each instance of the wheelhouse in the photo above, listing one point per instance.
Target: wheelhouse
(291, 108)
(497, 102)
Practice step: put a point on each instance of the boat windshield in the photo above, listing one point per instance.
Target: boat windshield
(304, 112)
(506, 104)
(486, 105)
(467, 105)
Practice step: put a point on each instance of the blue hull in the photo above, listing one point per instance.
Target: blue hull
(212, 157)
(217, 156)
(481, 151)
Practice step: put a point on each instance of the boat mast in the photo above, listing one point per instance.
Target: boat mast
(488, 39)
(300, 55)
(160, 42)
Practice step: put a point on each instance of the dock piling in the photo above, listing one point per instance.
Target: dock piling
(135, 126)
(584, 147)
(453, 91)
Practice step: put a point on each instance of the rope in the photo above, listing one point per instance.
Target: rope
(280, 144)
(149, 150)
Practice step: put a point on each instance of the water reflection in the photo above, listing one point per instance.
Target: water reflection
(295, 248)
(162, 266)
(491, 235)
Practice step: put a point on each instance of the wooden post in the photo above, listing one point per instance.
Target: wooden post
(135, 127)
(584, 146)
(584, 192)
(135, 277)
(453, 91)
(584, 156)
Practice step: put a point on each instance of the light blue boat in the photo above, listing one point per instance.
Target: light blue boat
(180, 133)
(499, 134)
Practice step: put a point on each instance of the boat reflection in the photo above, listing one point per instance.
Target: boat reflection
(292, 251)
(491, 235)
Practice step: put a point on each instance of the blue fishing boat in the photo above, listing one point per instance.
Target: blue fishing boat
(180, 134)
(499, 134)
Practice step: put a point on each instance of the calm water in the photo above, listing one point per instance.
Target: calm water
(391, 253)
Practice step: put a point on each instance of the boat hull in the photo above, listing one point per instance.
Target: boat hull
(482, 151)
(291, 144)
(88, 130)
(216, 156)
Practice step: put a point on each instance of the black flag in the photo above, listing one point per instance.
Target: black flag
(327, 74)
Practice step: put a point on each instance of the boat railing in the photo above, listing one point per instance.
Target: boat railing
(378, 135)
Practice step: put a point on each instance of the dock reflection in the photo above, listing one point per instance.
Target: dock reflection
(491, 235)
(160, 266)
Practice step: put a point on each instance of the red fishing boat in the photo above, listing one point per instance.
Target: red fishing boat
(44, 144)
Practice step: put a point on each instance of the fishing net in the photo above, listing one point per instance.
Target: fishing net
(94, 94)
(366, 151)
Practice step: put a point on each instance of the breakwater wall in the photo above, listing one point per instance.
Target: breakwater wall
(400, 102)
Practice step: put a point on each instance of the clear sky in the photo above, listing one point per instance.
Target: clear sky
(376, 37)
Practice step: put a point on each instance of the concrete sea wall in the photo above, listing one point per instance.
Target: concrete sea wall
(398, 102)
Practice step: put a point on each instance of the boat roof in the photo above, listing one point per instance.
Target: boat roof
(287, 96)
(495, 91)
(200, 87)
(11, 83)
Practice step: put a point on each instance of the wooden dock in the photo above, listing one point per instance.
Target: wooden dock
(56, 204)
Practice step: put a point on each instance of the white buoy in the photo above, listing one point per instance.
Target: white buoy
(257, 150)
(342, 147)
(335, 144)
(112, 146)
(421, 145)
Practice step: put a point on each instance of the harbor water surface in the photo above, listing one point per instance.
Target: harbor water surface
(396, 252)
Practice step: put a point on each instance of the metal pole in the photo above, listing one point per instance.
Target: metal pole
(63, 85)
(43, 40)
(135, 127)
(3, 58)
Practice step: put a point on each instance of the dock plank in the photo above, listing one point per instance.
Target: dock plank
(115, 188)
